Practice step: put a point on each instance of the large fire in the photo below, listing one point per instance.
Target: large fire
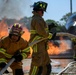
(3, 29)
(53, 49)
(26, 34)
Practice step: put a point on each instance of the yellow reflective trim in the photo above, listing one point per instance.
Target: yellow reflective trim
(36, 38)
(1, 49)
(33, 31)
(40, 5)
(34, 48)
(73, 39)
(15, 24)
(19, 25)
(8, 55)
(50, 36)
(5, 54)
(3, 60)
(46, 29)
(2, 52)
(34, 70)
(24, 55)
(26, 49)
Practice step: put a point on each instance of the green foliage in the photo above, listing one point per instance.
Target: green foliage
(66, 16)
(49, 21)
(59, 27)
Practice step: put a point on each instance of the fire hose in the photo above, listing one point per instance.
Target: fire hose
(13, 59)
(8, 64)
(35, 42)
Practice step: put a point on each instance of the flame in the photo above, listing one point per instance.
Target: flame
(53, 49)
(63, 46)
(26, 34)
(3, 29)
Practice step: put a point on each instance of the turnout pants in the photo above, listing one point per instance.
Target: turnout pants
(40, 70)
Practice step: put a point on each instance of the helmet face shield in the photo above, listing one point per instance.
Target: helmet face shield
(40, 5)
(71, 24)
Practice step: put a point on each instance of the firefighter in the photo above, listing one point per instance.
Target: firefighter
(40, 64)
(14, 46)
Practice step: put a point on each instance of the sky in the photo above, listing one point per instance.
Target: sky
(20, 8)
(58, 8)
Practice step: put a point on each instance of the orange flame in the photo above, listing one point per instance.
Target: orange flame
(3, 29)
(53, 49)
(63, 46)
(26, 35)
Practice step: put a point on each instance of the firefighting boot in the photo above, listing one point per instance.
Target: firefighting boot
(40, 70)
(49, 67)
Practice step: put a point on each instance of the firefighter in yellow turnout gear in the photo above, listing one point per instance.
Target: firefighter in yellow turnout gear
(40, 64)
(10, 46)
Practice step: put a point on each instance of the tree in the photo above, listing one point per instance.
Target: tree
(65, 17)
(59, 27)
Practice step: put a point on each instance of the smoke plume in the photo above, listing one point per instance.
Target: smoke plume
(15, 9)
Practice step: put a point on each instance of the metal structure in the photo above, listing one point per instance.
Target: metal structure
(71, 7)
(70, 69)
(9, 63)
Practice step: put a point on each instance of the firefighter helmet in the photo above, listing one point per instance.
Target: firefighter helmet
(16, 29)
(40, 5)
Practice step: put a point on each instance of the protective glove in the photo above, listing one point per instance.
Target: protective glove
(53, 36)
(18, 57)
(2, 65)
(50, 36)
(51, 26)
